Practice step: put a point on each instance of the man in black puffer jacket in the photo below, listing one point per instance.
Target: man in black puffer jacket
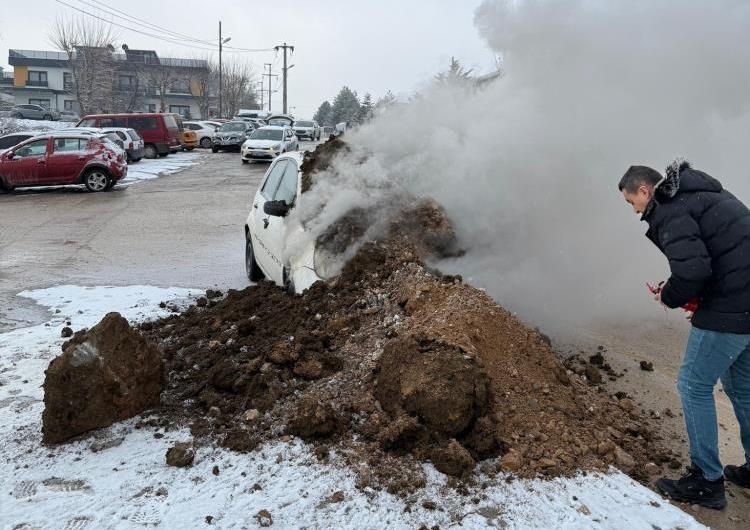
(704, 231)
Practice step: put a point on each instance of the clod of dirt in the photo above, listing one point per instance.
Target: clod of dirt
(453, 459)
(106, 374)
(320, 160)
(647, 366)
(315, 419)
(66, 332)
(264, 518)
(434, 381)
(181, 455)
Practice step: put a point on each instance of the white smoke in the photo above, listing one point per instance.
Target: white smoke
(528, 166)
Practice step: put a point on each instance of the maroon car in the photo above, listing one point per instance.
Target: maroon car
(55, 159)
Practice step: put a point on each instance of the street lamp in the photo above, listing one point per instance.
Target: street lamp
(221, 42)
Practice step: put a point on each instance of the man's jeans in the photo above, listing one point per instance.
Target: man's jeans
(709, 356)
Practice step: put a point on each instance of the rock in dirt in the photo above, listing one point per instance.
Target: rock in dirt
(106, 374)
(453, 459)
(66, 332)
(647, 366)
(264, 518)
(181, 455)
(434, 381)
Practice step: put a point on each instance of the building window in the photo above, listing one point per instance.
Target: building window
(36, 78)
(181, 86)
(68, 104)
(67, 80)
(152, 107)
(126, 82)
(182, 110)
(41, 102)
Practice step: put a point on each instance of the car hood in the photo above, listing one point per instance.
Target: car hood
(261, 144)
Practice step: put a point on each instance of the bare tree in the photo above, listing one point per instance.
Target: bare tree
(89, 46)
(238, 88)
(162, 78)
(207, 85)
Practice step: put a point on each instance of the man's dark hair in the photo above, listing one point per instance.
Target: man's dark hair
(637, 176)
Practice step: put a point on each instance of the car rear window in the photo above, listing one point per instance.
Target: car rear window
(170, 122)
(63, 145)
(88, 122)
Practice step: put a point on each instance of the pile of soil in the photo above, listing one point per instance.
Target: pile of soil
(320, 159)
(393, 359)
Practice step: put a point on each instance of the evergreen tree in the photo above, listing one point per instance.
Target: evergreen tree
(385, 101)
(366, 109)
(346, 107)
(455, 75)
(324, 115)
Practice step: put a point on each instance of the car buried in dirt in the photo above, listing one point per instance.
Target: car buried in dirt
(269, 231)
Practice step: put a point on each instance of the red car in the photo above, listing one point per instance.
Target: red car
(160, 132)
(55, 159)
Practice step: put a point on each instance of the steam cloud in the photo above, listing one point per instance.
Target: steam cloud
(527, 167)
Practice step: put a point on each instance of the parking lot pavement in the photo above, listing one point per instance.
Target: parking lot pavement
(182, 230)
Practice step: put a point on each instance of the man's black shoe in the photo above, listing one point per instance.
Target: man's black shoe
(695, 488)
(739, 475)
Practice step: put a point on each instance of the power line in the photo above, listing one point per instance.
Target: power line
(176, 34)
(158, 37)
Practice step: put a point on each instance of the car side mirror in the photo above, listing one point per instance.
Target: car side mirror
(10, 155)
(276, 208)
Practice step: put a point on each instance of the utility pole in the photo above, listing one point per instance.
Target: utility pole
(269, 75)
(221, 42)
(262, 93)
(285, 47)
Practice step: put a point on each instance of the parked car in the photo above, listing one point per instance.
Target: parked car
(62, 158)
(204, 131)
(131, 140)
(280, 120)
(34, 112)
(9, 140)
(328, 130)
(307, 129)
(340, 129)
(160, 132)
(188, 138)
(69, 115)
(231, 136)
(267, 230)
(268, 142)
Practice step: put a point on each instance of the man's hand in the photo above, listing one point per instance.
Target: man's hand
(657, 297)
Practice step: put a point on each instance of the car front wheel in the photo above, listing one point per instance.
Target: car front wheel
(96, 180)
(254, 273)
(205, 143)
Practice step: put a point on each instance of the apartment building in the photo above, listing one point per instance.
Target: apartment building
(140, 80)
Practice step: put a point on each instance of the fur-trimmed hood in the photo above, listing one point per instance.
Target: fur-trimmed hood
(680, 177)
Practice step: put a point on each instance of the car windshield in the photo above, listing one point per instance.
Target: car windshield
(266, 134)
(304, 124)
(232, 127)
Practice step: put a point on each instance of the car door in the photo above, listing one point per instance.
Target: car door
(27, 166)
(66, 160)
(275, 232)
(270, 264)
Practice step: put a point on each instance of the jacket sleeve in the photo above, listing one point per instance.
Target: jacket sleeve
(689, 261)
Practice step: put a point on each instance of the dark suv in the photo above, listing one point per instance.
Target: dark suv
(231, 136)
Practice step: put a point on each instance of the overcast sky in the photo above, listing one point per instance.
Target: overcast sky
(369, 46)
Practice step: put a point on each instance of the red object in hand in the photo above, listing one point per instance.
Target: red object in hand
(690, 307)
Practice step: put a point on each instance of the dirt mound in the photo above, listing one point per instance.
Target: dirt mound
(320, 159)
(106, 374)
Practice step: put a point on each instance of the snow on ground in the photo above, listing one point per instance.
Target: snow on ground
(150, 169)
(117, 478)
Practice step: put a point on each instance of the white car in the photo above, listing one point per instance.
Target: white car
(307, 129)
(269, 231)
(203, 130)
(268, 142)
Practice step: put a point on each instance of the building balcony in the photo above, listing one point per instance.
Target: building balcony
(37, 83)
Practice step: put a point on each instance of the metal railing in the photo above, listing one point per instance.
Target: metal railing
(29, 82)
(36, 54)
(131, 58)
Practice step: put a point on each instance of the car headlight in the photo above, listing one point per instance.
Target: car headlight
(277, 146)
